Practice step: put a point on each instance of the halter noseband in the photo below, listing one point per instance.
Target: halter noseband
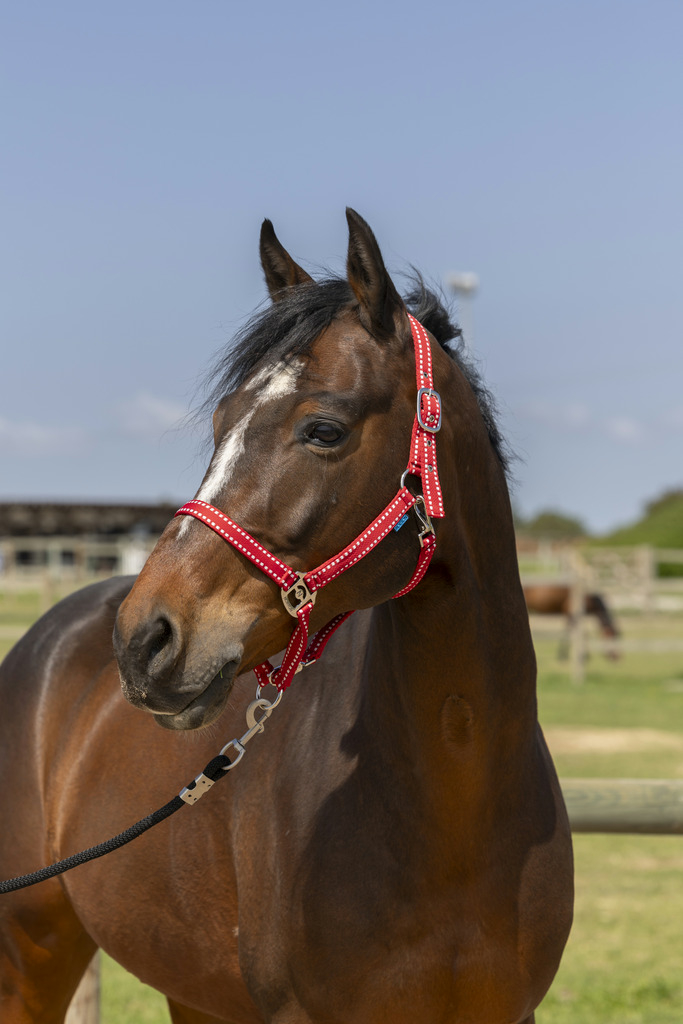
(299, 589)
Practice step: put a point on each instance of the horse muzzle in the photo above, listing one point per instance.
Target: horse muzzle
(206, 707)
(184, 685)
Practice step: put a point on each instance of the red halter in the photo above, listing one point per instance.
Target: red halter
(299, 589)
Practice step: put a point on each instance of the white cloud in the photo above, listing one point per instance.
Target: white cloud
(575, 417)
(674, 418)
(147, 415)
(624, 428)
(565, 415)
(31, 440)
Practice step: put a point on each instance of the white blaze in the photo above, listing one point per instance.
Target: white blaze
(224, 460)
(272, 382)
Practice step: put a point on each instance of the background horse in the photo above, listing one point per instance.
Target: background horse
(555, 599)
(396, 847)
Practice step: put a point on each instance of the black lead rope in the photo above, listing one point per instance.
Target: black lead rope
(216, 769)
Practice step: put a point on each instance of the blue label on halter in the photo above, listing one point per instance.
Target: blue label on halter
(400, 523)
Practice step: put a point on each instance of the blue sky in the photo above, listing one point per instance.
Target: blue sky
(537, 144)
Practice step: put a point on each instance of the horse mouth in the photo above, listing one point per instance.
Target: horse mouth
(206, 706)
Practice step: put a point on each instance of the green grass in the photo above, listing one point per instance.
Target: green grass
(623, 963)
(19, 609)
(641, 690)
(648, 765)
(125, 1000)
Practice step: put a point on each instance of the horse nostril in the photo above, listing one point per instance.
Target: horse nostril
(161, 637)
(157, 647)
(146, 650)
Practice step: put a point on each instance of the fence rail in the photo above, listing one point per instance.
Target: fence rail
(633, 577)
(632, 806)
(27, 559)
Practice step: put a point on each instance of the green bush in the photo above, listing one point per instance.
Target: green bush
(670, 570)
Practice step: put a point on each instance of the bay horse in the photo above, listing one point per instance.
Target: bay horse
(395, 848)
(556, 599)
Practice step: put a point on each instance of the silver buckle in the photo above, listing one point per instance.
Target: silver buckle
(429, 427)
(298, 595)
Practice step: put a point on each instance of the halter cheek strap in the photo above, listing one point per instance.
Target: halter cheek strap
(299, 589)
(426, 424)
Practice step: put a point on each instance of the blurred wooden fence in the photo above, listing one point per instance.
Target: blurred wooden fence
(630, 579)
(50, 560)
(633, 577)
(631, 806)
(85, 1005)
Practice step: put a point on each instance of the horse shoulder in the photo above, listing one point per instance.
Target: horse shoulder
(45, 675)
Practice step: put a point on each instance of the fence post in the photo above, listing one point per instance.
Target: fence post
(577, 644)
(648, 568)
(46, 593)
(85, 1005)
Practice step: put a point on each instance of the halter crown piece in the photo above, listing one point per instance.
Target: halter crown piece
(299, 589)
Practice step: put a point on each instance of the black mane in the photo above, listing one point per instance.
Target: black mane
(287, 329)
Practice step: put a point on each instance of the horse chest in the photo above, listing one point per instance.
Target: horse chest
(364, 939)
(431, 971)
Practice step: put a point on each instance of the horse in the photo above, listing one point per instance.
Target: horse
(395, 847)
(556, 599)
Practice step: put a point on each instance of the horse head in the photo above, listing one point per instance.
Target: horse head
(311, 438)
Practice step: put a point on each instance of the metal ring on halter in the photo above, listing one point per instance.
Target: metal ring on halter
(276, 699)
(299, 668)
(407, 472)
(410, 472)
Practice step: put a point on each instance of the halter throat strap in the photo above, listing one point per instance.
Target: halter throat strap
(299, 589)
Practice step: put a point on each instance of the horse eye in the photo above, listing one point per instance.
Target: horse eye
(325, 434)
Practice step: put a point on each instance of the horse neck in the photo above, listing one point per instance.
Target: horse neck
(596, 606)
(450, 670)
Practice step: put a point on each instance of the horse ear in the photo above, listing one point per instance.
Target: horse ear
(380, 304)
(278, 266)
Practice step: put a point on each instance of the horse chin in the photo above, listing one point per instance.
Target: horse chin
(206, 707)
